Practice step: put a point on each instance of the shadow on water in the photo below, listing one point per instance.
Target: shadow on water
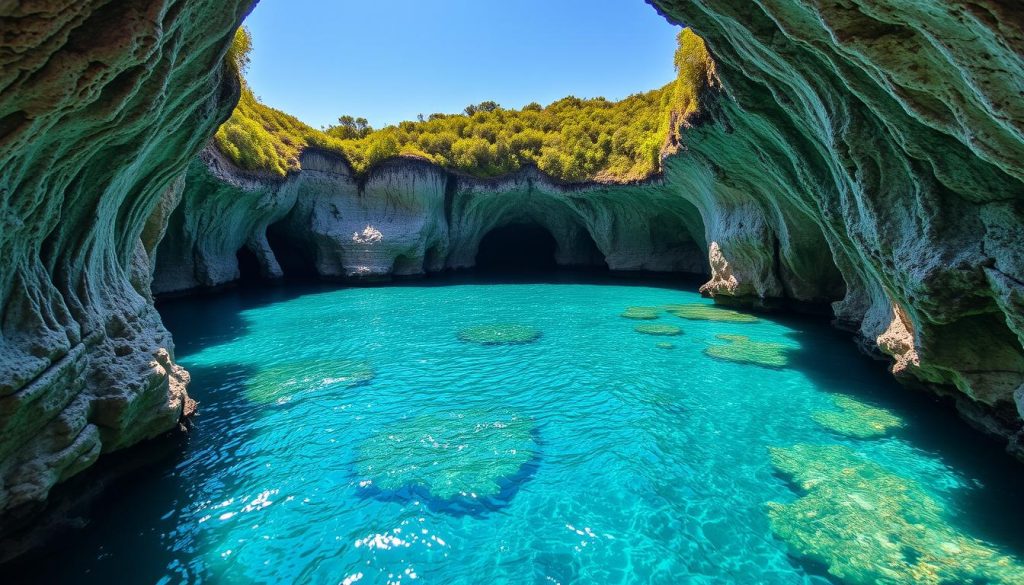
(989, 507)
(150, 488)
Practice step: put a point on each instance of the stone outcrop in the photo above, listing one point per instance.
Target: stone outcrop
(220, 210)
(873, 148)
(102, 106)
(408, 217)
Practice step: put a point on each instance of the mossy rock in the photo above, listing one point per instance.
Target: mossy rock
(665, 345)
(856, 419)
(703, 312)
(742, 350)
(867, 524)
(499, 334)
(667, 330)
(458, 454)
(641, 313)
(281, 382)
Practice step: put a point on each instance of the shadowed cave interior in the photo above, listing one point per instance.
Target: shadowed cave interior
(526, 246)
(248, 265)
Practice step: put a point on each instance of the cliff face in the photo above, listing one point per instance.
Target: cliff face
(882, 141)
(410, 217)
(102, 105)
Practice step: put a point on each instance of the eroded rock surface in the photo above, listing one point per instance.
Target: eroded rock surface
(409, 217)
(874, 149)
(102, 105)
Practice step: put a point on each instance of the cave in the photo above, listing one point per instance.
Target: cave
(295, 261)
(248, 265)
(517, 247)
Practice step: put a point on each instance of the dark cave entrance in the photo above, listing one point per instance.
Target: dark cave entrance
(249, 269)
(528, 247)
(292, 257)
(517, 247)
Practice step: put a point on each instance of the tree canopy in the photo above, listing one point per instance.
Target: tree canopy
(572, 139)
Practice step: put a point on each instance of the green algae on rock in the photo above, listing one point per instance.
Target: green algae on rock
(869, 525)
(741, 349)
(499, 334)
(665, 345)
(641, 313)
(466, 454)
(856, 419)
(658, 330)
(702, 312)
(281, 382)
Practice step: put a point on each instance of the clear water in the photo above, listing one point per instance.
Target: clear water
(646, 465)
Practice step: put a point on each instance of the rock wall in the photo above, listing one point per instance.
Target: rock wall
(883, 141)
(408, 217)
(219, 210)
(102, 106)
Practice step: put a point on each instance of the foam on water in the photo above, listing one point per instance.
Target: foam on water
(349, 435)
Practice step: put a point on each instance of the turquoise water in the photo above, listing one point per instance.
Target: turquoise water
(348, 435)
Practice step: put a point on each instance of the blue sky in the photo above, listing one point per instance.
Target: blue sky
(390, 60)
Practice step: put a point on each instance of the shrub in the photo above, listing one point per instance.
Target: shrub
(572, 139)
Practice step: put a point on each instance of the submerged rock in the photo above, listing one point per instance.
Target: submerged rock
(743, 350)
(667, 330)
(458, 454)
(499, 334)
(641, 313)
(856, 419)
(665, 345)
(702, 312)
(868, 525)
(283, 381)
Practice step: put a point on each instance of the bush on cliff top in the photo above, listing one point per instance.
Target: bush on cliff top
(572, 139)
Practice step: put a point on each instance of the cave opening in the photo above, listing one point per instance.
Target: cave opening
(295, 261)
(529, 247)
(517, 247)
(248, 265)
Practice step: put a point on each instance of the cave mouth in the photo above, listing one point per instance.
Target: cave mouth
(248, 265)
(517, 247)
(295, 261)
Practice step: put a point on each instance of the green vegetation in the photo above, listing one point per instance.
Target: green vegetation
(869, 525)
(742, 350)
(468, 454)
(572, 139)
(641, 313)
(856, 419)
(500, 334)
(702, 312)
(658, 330)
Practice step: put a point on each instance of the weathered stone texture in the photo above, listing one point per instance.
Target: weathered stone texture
(409, 217)
(882, 140)
(102, 105)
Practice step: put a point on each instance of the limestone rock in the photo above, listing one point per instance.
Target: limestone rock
(409, 217)
(871, 152)
(222, 209)
(102, 105)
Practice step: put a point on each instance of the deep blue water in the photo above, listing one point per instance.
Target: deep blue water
(349, 435)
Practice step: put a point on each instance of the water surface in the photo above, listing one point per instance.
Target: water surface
(594, 454)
